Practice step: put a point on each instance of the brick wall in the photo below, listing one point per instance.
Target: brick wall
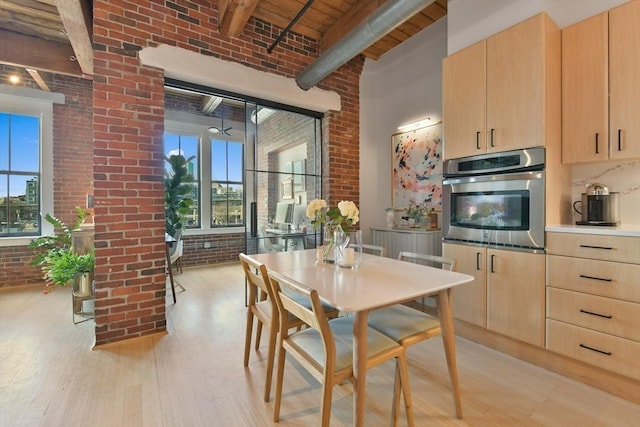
(72, 162)
(127, 131)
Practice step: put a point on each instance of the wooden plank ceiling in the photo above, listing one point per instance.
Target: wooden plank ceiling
(55, 35)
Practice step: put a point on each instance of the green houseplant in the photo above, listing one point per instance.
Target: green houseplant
(55, 257)
(177, 193)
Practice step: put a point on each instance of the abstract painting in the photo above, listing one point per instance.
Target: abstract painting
(417, 167)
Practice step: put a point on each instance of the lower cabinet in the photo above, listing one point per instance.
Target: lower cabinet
(508, 293)
(593, 300)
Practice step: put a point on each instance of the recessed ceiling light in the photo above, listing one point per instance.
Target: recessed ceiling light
(14, 79)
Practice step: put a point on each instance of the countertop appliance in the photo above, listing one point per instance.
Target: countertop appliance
(495, 199)
(599, 206)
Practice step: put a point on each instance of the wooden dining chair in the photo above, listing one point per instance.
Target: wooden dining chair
(261, 305)
(408, 326)
(325, 349)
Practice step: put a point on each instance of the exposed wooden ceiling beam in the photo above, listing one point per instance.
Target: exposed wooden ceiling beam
(233, 15)
(32, 52)
(347, 22)
(35, 75)
(77, 23)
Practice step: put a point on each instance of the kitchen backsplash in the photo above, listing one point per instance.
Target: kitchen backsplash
(621, 176)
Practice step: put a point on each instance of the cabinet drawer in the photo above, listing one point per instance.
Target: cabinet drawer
(612, 316)
(595, 246)
(595, 348)
(605, 278)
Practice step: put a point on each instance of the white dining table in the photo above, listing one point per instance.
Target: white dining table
(377, 282)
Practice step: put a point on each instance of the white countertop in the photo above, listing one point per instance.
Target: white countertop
(622, 230)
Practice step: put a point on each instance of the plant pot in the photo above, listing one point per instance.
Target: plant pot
(83, 284)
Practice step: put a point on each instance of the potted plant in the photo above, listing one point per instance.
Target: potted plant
(57, 260)
(177, 193)
(63, 266)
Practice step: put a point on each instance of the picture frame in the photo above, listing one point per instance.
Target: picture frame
(287, 189)
(416, 170)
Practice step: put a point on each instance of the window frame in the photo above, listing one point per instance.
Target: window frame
(34, 102)
(180, 122)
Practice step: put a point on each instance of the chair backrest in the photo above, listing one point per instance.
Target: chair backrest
(430, 260)
(370, 249)
(257, 279)
(285, 292)
(174, 247)
(178, 251)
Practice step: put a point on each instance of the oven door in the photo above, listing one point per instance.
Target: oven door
(503, 210)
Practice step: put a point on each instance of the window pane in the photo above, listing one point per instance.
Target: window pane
(4, 141)
(19, 184)
(219, 160)
(24, 143)
(234, 163)
(236, 214)
(188, 147)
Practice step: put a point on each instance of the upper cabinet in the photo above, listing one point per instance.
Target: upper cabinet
(624, 80)
(464, 104)
(503, 93)
(600, 86)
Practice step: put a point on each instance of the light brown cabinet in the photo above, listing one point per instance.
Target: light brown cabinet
(600, 86)
(507, 295)
(503, 93)
(593, 300)
(470, 300)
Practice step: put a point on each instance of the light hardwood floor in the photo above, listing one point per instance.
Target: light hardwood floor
(193, 376)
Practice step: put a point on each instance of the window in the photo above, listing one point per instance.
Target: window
(19, 175)
(26, 163)
(187, 146)
(227, 188)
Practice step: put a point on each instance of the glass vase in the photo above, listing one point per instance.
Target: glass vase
(332, 236)
(349, 249)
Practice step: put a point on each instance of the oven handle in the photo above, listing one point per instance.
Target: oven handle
(493, 178)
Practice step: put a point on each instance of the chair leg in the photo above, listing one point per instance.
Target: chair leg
(396, 397)
(279, 379)
(271, 353)
(258, 334)
(327, 396)
(247, 337)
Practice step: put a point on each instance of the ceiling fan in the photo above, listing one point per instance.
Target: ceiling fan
(221, 129)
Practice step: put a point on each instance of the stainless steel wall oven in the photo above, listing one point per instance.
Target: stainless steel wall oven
(495, 199)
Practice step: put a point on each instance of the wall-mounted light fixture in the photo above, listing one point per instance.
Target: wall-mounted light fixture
(14, 79)
(416, 125)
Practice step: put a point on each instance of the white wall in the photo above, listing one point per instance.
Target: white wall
(406, 85)
(401, 87)
(470, 21)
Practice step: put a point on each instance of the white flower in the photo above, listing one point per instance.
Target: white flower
(349, 210)
(315, 206)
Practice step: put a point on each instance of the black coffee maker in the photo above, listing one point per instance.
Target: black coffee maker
(598, 206)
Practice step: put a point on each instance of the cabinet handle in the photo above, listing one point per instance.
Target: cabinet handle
(619, 139)
(478, 261)
(606, 353)
(584, 276)
(596, 247)
(478, 140)
(597, 150)
(596, 314)
(492, 260)
(491, 139)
